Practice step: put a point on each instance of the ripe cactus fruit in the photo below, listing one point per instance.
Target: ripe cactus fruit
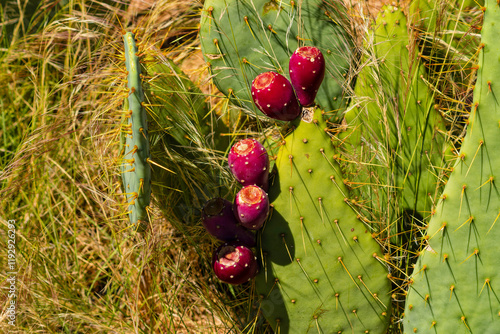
(251, 207)
(307, 70)
(274, 96)
(240, 39)
(234, 264)
(454, 286)
(320, 267)
(219, 220)
(249, 162)
(134, 166)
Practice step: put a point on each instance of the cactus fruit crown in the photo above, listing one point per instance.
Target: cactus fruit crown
(308, 52)
(262, 81)
(274, 95)
(251, 207)
(229, 255)
(244, 147)
(249, 163)
(307, 71)
(234, 264)
(213, 206)
(250, 195)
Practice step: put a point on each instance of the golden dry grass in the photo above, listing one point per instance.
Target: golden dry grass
(80, 269)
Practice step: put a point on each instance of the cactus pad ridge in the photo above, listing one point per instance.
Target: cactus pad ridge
(241, 39)
(135, 169)
(456, 280)
(320, 268)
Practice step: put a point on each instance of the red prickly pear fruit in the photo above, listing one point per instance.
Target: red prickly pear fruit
(234, 264)
(219, 220)
(307, 70)
(251, 207)
(274, 96)
(249, 163)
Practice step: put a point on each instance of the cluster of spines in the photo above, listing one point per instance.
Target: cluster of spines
(135, 154)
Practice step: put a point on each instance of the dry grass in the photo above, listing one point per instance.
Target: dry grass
(80, 270)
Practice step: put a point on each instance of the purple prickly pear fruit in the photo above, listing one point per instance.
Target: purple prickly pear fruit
(249, 163)
(234, 264)
(251, 207)
(307, 70)
(274, 96)
(219, 220)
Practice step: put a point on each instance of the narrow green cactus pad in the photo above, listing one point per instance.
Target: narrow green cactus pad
(135, 169)
(321, 270)
(242, 38)
(392, 127)
(456, 282)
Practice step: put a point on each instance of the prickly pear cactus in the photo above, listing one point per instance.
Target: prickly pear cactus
(392, 126)
(186, 141)
(447, 32)
(454, 286)
(178, 110)
(134, 165)
(241, 39)
(320, 267)
(430, 14)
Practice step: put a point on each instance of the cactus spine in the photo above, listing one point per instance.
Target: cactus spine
(454, 286)
(135, 169)
(320, 267)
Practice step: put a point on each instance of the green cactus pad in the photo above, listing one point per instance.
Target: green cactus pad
(179, 112)
(447, 34)
(186, 141)
(392, 126)
(456, 282)
(430, 14)
(241, 39)
(321, 270)
(135, 169)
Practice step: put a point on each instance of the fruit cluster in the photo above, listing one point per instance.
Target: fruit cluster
(234, 223)
(276, 97)
(234, 262)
